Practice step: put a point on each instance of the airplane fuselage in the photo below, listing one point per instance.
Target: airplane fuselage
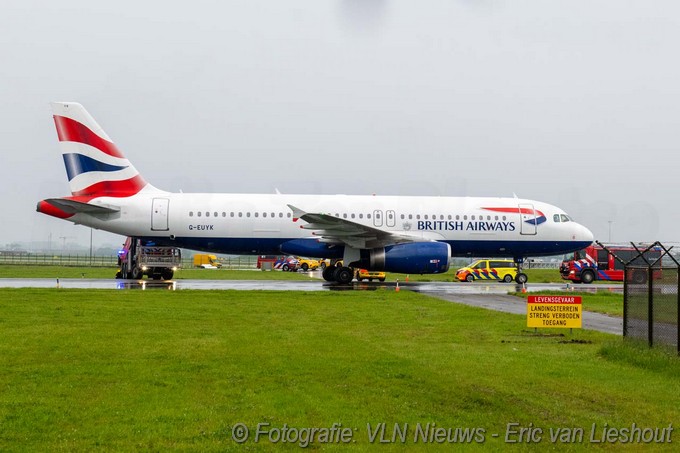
(263, 223)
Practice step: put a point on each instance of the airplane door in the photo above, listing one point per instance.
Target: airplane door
(527, 217)
(159, 214)
(391, 218)
(377, 218)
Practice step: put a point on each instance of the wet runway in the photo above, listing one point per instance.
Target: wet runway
(289, 285)
(492, 296)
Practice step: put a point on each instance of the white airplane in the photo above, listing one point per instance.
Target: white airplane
(412, 235)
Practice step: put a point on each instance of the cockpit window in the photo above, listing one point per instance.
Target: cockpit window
(557, 218)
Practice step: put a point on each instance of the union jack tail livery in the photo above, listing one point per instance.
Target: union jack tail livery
(95, 167)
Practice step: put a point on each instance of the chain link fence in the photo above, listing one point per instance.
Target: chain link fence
(41, 259)
(651, 297)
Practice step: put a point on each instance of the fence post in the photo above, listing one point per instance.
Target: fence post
(625, 301)
(650, 306)
(677, 299)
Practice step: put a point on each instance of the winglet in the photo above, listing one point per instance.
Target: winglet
(297, 212)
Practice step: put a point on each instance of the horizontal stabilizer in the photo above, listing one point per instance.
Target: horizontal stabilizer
(75, 207)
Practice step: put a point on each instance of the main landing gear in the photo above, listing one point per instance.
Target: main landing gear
(339, 274)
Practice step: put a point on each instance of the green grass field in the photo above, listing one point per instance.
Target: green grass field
(156, 370)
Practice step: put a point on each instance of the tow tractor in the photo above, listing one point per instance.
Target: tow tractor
(138, 258)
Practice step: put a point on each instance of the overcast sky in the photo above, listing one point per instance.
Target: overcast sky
(575, 103)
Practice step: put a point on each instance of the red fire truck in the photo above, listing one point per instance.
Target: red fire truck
(597, 263)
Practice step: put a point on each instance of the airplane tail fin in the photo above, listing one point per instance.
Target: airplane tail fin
(95, 167)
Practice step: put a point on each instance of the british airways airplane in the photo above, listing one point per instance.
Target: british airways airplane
(413, 235)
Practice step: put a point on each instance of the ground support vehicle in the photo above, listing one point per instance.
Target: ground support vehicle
(267, 261)
(504, 270)
(287, 264)
(363, 274)
(306, 264)
(596, 262)
(206, 261)
(138, 259)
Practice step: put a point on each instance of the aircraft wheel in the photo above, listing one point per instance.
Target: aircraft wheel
(344, 275)
(521, 278)
(328, 274)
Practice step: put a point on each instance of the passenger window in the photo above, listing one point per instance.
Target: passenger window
(198, 213)
(191, 213)
(207, 214)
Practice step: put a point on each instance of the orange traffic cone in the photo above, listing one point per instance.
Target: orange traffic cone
(397, 287)
(406, 277)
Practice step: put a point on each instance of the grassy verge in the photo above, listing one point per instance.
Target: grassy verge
(156, 370)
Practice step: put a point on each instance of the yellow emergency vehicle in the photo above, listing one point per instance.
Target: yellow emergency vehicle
(488, 269)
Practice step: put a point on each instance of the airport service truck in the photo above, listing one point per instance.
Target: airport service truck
(206, 261)
(598, 263)
(138, 258)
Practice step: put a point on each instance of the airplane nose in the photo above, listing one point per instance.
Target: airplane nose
(583, 234)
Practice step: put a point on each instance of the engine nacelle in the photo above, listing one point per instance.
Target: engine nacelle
(411, 258)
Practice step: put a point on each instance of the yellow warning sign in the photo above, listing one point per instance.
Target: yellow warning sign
(554, 311)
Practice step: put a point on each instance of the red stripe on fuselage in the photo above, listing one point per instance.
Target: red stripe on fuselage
(70, 130)
(516, 210)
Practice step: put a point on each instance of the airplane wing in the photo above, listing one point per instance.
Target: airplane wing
(74, 207)
(335, 230)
